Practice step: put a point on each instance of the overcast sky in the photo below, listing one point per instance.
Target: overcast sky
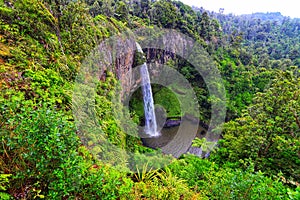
(286, 7)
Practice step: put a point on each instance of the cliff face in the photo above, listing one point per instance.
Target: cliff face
(124, 63)
(158, 51)
(115, 55)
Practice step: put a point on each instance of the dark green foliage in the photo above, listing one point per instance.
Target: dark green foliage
(42, 44)
(269, 34)
(268, 132)
(163, 98)
(42, 140)
(168, 100)
(40, 149)
(136, 104)
(164, 14)
(225, 183)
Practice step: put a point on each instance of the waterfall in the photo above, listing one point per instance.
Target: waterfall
(150, 119)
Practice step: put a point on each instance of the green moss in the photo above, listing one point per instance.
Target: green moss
(168, 100)
(163, 97)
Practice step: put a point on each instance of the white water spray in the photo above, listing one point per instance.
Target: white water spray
(150, 119)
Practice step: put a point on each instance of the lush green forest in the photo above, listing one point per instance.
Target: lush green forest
(43, 45)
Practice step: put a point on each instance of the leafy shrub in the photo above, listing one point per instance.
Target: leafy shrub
(193, 169)
(268, 132)
(226, 183)
(41, 152)
(36, 143)
(294, 194)
(163, 184)
(4, 183)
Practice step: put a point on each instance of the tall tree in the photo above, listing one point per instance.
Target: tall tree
(268, 134)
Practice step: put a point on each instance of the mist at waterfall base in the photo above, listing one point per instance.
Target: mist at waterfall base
(150, 118)
(149, 109)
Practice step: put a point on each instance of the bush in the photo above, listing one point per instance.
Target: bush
(226, 183)
(42, 152)
(36, 143)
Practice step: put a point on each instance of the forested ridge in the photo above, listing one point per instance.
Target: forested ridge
(43, 45)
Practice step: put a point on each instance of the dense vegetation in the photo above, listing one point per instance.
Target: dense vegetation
(42, 45)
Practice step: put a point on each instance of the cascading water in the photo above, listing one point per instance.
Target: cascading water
(150, 119)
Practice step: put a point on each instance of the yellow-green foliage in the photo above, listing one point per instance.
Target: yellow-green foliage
(42, 45)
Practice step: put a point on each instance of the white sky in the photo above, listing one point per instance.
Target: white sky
(286, 7)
